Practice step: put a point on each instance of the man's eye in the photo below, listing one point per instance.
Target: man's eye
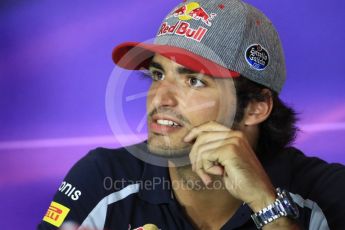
(195, 82)
(157, 75)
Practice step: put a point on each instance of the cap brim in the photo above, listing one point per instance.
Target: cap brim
(135, 55)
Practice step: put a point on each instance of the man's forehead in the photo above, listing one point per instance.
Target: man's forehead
(160, 62)
(160, 59)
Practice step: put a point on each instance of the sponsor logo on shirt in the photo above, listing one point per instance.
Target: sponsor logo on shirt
(56, 214)
(69, 190)
(146, 227)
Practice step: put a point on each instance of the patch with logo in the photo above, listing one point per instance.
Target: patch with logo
(257, 57)
(56, 214)
(147, 227)
(190, 11)
(193, 11)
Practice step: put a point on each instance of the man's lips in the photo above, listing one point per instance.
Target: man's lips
(164, 129)
(157, 117)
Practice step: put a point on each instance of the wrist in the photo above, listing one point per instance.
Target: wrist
(263, 200)
(277, 212)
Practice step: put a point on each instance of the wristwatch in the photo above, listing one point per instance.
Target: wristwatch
(283, 206)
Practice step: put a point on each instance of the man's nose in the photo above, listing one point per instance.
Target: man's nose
(165, 94)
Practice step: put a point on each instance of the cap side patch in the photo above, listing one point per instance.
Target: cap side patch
(257, 57)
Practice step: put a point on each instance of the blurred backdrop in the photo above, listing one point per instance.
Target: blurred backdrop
(55, 61)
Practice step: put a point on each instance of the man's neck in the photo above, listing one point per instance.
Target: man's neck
(206, 207)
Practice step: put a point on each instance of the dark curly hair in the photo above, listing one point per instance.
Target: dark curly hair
(279, 129)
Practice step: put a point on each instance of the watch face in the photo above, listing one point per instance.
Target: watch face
(290, 206)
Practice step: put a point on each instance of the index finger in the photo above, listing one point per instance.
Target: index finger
(209, 126)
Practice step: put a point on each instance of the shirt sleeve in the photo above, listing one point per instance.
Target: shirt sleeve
(78, 194)
(324, 184)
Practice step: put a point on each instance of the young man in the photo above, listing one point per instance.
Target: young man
(217, 69)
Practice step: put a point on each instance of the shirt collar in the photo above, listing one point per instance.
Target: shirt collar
(156, 185)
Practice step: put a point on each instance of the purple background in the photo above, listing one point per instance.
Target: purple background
(55, 61)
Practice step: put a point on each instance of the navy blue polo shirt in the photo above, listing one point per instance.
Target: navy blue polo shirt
(112, 189)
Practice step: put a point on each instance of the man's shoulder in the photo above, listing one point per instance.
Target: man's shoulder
(116, 156)
(318, 186)
(103, 166)
(301, 165)
(298, 160)
(100, 175)
(118, 162)
(294, 156)
(291, 168)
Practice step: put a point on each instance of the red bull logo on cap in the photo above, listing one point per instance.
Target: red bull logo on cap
(190, 11)
(147, 227)
(194, 11)
(183, 29)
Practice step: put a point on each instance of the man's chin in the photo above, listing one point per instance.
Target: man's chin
(168, 151)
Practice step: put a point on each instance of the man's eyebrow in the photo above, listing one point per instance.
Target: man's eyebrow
(183, 70)
(180, 70)
(156, 65)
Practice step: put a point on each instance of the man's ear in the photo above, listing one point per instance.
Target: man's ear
(257, 112)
